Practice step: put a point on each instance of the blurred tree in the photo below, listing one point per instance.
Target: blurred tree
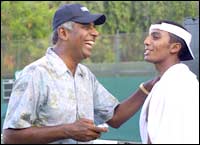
(26, 27)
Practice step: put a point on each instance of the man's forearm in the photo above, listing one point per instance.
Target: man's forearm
(33, 135)
(131, 105)
(127, 108)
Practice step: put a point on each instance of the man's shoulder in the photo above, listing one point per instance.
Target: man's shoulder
(35, 66)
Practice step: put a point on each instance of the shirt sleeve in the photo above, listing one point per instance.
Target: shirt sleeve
(22, 107)
(104, 103)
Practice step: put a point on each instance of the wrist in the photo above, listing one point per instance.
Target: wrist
(143, 89)
(66, 131)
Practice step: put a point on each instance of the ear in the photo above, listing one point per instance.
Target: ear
(175, 48)
(63, 33)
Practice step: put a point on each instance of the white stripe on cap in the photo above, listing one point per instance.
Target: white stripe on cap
(178, 31)
(84, 9)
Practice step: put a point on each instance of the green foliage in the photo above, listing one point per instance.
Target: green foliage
(26, 28)
(103, 53)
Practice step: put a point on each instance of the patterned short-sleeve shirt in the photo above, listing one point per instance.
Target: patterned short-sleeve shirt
(47, 94)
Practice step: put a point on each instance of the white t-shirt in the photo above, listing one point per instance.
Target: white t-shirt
(173, 108)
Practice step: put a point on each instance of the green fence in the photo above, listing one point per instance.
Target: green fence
(123, 87)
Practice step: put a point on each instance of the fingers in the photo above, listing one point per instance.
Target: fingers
(90, 137)
(92, 126)
(104, 127)
(86, 130)
(100, 129)
(92, 133)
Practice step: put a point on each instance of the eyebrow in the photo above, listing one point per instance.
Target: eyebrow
(155, 33)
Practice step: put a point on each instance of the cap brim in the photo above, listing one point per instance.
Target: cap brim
(97, 19)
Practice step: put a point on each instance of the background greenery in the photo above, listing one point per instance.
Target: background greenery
(26, 34)
(26, 28)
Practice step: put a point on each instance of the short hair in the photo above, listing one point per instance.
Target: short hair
(175, 39)
(67, 25)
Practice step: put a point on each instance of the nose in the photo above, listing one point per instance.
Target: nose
(147, 41)
(94, 32)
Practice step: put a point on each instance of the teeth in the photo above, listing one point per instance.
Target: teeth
(146, 52)
(90, 42)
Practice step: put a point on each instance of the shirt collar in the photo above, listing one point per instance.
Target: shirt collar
(58, 66)
(80, 71)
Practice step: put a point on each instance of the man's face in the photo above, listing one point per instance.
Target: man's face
(82, 39)
(157, 46)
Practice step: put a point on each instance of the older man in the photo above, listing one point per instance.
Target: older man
(58, 100)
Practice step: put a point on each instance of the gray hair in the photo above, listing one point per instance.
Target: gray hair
(67, 25)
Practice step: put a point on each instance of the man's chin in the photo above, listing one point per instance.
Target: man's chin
(86, 56)
(148, 60)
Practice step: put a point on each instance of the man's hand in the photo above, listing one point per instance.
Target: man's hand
(84, 130)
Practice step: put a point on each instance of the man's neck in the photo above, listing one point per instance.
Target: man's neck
(69, 61)
(163, 67)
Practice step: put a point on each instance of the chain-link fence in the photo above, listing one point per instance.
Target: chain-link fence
(15, 54)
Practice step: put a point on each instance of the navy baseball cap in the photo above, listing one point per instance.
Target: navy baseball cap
(76, 13)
